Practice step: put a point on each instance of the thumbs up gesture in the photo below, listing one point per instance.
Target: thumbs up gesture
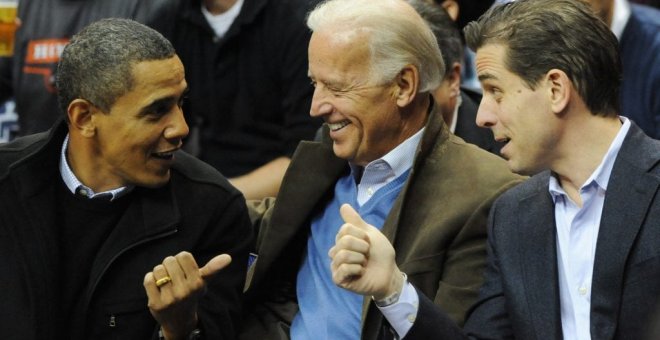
(363, 258)
(174, 289)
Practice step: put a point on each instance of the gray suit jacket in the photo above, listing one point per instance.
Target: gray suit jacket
(437, 226)
(520, 296)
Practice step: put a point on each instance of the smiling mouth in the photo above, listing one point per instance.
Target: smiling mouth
(338, 126)
(167, 155)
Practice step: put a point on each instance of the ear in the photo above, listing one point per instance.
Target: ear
(559, 90)
(407, 83)
(81, 120)
(452, 8)
(454, 78)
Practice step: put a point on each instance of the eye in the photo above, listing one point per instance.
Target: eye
(182, 100)
(336, 91)
(493, 91)
(156, 112)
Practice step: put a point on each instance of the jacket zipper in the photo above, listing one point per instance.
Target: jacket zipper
(112, 322)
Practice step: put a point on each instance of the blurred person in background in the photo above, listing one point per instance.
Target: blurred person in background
(248, 106)
(46, 27)
(458, 104)
(637, 28)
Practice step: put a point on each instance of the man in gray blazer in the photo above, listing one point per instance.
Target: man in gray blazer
(573, 252)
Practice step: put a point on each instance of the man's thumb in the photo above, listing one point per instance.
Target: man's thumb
(214, 265)
(349, 215)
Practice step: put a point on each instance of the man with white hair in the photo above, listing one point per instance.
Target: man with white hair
(388, 156)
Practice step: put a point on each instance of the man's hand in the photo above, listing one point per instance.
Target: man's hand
(363, 258)
(173, 302)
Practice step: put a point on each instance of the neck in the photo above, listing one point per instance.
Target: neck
(80, 157)
(217, 7)
(419, 113)
(582, 149)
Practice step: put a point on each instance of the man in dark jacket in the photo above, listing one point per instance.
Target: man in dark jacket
(106, 197)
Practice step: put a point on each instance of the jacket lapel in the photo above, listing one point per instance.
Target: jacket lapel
(435, 135)
(538, 256)
(315, 172)
(630, 191)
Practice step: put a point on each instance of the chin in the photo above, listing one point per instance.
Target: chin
(154, 181)
(341, 153)
(524, 170)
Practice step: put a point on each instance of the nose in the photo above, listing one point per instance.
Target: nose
(321, 105)
(177, 129)
(486, 116)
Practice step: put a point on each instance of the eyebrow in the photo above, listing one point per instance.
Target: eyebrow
(486, 76)
(163, 102)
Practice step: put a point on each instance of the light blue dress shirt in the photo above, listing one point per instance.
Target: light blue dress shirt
(577, 232)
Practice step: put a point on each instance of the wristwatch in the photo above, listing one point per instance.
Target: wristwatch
(394, 297)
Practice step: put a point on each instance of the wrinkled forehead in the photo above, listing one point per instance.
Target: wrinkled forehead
(347, 52)
(490, 57)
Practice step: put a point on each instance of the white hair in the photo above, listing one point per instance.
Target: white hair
(397, 36)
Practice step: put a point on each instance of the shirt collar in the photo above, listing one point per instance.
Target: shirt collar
(600, 176)
(399, 159)
(454, 118)
(76, 187)
(620, 16)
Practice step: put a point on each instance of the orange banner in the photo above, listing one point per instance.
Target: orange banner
(45, 51)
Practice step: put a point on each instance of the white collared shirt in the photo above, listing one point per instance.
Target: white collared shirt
(620, 16)
(454, 118)
(379, 172)
(76, 187)
(577, 233)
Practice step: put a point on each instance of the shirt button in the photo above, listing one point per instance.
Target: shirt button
(370, 191)
(411, 318)
(83, 192)
(582, 290)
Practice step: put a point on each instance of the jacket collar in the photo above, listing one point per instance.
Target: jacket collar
(436, 134)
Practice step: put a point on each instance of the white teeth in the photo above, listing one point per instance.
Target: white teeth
(337, 126)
